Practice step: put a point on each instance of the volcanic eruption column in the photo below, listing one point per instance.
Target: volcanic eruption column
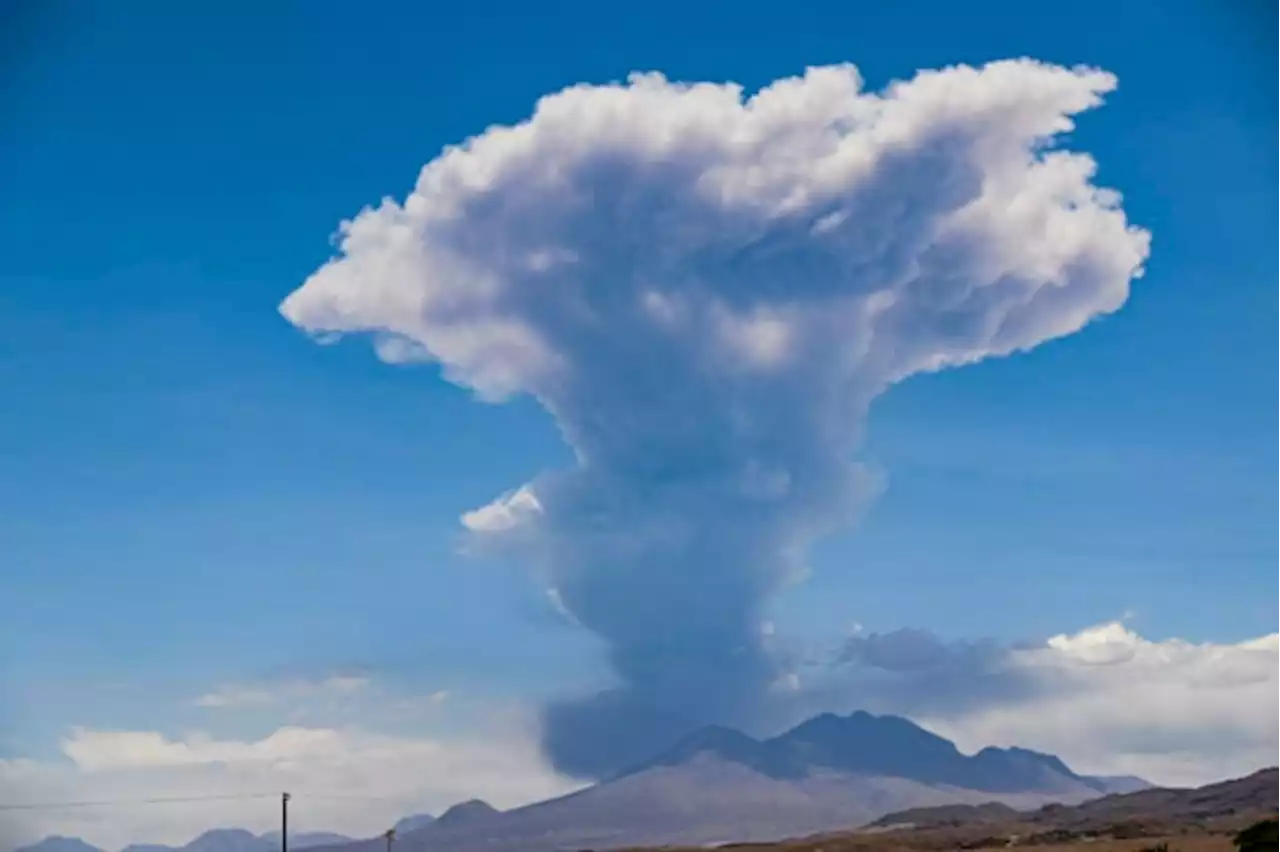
(706, 291)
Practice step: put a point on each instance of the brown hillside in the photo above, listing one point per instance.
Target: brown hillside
(1204, 819)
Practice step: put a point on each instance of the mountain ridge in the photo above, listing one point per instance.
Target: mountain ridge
(465, 813)
(1254, 792)
(719, 784)
(413, 822)
(212, 840)
(883, 745)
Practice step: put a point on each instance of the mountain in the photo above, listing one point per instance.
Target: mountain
(719, 784)
(57, 843)
(882, 746)
(1253, 794)
(215, 840)
(469, 813)
(767, 758)
(228, 840)
(1122, 783)
(413, 823)
(948, 815)
(303, 839)
(707, 800)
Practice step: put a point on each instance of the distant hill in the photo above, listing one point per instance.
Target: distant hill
(304, 839)
(948, 815)
(469, 813)
(215, 840)
(1122, 783)
(1217, 816)
(1253, 794)
(228, 840)
(413, 823)
(57, 843)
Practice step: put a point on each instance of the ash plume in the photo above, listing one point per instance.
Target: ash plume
(706, 290)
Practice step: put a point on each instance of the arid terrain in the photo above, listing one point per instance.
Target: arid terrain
(1205, 819)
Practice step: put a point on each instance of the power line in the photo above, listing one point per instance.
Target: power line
(358, 797)
(155, 800)
(175, 800)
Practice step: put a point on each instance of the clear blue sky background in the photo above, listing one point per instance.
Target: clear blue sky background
(193, 493)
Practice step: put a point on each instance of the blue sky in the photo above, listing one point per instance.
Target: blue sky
(195, 494)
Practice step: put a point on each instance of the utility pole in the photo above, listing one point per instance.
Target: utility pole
(284, 822)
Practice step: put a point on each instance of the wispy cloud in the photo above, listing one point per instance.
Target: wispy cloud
(412, 707)
(237, 696)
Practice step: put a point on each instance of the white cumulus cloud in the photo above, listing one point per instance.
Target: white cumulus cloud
(932, 203)
(1172, 711)
(350, 780)
(1105, 699)
(508, 511)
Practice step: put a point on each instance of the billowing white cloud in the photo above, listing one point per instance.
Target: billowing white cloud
(95, 751)
(688, 207)
(706, 291)
(1105, 699)
(1172, 711)
(352, 781)
(507, 512)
